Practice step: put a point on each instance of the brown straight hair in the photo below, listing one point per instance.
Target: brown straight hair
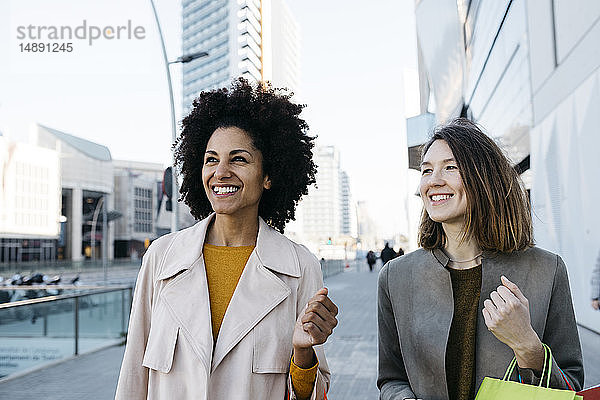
(498, 212)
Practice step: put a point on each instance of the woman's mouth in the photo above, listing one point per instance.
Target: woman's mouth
(225, 191)
(438, 199)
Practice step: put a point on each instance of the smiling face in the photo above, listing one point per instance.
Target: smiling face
(232, 173)
(441, 188)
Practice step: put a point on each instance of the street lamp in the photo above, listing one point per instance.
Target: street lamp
(183, 59)
(189, 57)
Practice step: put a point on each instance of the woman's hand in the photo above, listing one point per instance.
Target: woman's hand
(506, 315)
(313, 327)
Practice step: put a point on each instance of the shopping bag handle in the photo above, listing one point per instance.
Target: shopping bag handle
(547, 362)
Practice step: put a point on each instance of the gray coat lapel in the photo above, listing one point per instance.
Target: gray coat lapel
(491, 355)
(433, 317)
(423, 291)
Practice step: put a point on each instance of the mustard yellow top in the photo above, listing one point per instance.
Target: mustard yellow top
(224, 267)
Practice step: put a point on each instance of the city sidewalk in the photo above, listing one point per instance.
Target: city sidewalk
(352, 354)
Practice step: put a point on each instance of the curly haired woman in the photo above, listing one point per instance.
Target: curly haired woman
(230, 308)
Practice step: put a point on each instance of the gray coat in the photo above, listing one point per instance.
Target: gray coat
(415, 308)
(596, 280)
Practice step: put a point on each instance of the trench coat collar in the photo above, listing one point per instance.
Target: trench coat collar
(274, 250)
(258, 291)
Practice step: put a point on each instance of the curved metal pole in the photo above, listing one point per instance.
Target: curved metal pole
(93, 232)
(175, 189)
(105, 237)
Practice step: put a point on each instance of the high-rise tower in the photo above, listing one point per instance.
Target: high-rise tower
(255, 39)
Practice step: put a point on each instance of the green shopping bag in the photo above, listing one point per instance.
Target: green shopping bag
(505, 389)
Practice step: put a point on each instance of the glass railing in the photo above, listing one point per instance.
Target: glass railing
(6, 269)
(332, 267)
(48, 329)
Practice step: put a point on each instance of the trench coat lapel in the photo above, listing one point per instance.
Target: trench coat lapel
(186, 289)
(258, 291)
(188, 301)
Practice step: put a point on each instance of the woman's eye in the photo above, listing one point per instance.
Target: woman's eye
(238, 158)
(451, 167)
(210, 160)
(426, 171)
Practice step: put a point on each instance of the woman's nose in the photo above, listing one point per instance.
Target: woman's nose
(436, 178)
(222, 170)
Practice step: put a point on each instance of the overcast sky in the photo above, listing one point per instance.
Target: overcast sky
(353, 59)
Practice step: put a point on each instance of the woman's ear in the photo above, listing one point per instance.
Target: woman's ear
(267, 182)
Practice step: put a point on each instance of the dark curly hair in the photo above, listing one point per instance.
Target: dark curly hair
(272, 121)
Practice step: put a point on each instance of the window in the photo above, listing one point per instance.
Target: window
(143, 210)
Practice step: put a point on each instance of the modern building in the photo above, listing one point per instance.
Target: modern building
(367, 229)
(285, 45)
(136, 198)
(326, 220)
(322, 213)
(86, 179)
(254, 39)
(139, 198)
(29, 202)
(528, 71)
(53, 195)
(348, 208)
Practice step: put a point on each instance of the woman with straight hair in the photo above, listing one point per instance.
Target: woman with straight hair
(230, 308)
(478, 292)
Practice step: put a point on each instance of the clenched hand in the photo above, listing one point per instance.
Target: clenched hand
(313, 327)
(506, 314)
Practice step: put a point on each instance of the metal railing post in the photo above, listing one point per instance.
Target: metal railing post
(122, 310)
(76, 325)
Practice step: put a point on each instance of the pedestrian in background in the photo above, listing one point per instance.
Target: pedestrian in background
(596, 284)
(477, 293)
(371, 259)
(387, 253)
(230, 308)
(400, 252)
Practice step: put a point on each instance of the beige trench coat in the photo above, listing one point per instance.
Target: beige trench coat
(170, 352)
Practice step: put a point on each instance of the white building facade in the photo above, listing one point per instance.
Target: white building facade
(321, 208)
(349, 221)
(136, 198)
(29, 202)
(86, 180)
(326, 219)
(56, 192)
(529, 72)
(285, 48)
